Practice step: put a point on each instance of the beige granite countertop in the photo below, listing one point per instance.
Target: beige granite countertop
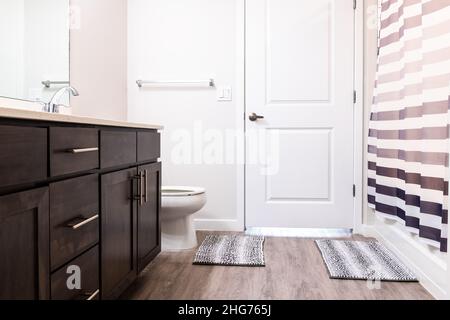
(55, 117)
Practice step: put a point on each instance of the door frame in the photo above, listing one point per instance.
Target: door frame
(358, 115)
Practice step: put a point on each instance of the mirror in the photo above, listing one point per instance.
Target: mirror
(34, 50)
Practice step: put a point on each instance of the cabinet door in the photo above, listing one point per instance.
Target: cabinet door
(149, 235)
(24, 245)
(118, 232)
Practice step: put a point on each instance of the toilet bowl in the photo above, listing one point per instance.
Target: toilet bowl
(177, 209)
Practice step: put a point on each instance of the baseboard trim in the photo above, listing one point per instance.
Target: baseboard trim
(218, 225)
(431, 271)
(299, 232)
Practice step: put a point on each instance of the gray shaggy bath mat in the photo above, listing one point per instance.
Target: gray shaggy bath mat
(360, 260)
(231, 250)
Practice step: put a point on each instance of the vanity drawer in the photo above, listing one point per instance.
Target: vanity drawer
(74, 218)
(149, 145)
(118, 148)
(73, 150)
(88, 263)
(23, 155)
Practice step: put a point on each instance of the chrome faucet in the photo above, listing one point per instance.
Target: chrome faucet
(53, 105)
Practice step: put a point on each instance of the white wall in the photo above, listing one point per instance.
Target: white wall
(98, 59)
(190, 40)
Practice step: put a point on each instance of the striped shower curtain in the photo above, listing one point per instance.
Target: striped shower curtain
(409, 126)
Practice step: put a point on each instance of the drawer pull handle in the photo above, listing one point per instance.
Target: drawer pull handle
(84, 150)
(91, 296)
(78, 224)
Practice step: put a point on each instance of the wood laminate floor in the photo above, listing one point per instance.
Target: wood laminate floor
(294, 270)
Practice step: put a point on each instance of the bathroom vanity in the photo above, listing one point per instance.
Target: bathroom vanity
(79, 202)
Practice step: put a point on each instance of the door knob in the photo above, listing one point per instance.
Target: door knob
(255, 117)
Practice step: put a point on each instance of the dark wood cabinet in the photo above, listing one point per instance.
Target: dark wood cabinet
(118, 244)
(148, 217)
(76, 196)
(24, 245)
(87, 265)
(73, 150)
(118, 148)
(23, 156)
(131, 236)
(74, 218)
(149, 146)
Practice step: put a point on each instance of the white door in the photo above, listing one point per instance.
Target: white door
(299, 77)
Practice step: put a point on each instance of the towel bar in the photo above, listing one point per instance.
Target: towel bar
(48, 83)
(208, 83)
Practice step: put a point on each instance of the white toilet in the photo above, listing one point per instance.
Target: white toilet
(177, 209)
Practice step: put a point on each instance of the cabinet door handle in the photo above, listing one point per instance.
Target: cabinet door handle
(83, 150)
(92, 296)
(146, 185)
(140, 196)
(78, 223)
(141, 176)
(141, 193)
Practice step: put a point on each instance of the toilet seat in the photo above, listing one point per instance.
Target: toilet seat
(178, 191)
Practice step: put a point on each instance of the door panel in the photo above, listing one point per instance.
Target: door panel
(299, 77)
(294, 167)
(299, 50)
(149, 240)
(24, 250)
(118, 241)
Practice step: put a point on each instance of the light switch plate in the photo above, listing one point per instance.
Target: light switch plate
(224, 93)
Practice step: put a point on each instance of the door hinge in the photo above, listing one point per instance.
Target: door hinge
(354, 191)
(354, 96)
(354, 4)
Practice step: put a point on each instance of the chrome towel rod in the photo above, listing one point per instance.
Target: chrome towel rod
(208, 83)
(48, 83)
